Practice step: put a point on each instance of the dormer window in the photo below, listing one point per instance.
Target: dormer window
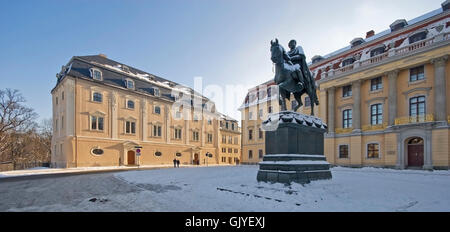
(125, 68)
(348, 61)
(129, 84)
(316, 59)
(96, 74)
(398, 24)
(418, 36)
(357, 41)
(377, 50)
(156, 92)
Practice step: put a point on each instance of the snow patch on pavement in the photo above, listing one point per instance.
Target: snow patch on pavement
(236, 189)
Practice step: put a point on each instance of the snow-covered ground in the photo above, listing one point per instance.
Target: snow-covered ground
(228, 188)
(44, 170)
(236, 189)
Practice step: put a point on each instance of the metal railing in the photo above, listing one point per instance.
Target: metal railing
(343, 130)
(414, 119)
(374, 127)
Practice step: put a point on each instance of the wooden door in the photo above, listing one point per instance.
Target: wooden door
(415, 155)
(196, 159)
(131, 158)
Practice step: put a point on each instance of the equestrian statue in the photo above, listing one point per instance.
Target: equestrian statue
(292, 75)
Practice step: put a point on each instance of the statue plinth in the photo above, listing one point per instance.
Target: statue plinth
(294, 149)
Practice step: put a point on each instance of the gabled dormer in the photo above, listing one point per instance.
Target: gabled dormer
(398, 24)
(357, 41)
(316, 59)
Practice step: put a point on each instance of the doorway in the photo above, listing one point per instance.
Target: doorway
(131, 158)
(196, 159)
(415, 152)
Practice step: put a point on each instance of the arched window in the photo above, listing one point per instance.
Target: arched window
(347, 118)
(348, 61)
(418, 37)
(376, 114)
(417, 106)
(130, 104)
(377, 51)
(415, 141)
(97, 97)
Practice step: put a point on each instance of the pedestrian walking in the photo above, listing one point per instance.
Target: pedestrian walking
(178, 163)
(175, 162)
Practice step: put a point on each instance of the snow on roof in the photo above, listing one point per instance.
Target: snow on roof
(388, 31)
(146, 77)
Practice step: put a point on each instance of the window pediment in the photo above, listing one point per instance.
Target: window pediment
(97, 113)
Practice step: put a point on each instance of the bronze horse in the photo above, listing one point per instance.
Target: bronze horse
(289, 78)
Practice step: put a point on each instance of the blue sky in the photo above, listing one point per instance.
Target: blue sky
(225, 42)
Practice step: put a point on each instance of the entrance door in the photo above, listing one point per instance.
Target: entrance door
(196, 160)
(415, 152)
(131, 158)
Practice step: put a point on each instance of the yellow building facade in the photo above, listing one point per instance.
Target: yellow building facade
(385, 98)
(230, 144)
(104, 111)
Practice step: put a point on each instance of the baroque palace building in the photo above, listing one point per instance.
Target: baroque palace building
(385, 98)
(103, 111)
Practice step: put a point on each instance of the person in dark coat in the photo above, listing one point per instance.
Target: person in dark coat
(178, 163)
(175, 162)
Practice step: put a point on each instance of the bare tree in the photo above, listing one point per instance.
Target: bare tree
(15, 119)
(44, 140)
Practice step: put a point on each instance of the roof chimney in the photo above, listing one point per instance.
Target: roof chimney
(370, 34)
(102, 55)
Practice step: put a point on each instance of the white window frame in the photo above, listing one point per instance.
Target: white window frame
(126, 103)
(129, 80)
(370, 113)
(175, 133)
(93, 70)
(156, 92)
(193, 134)
(338, 151)
(156, 124)
(208, 136)
(379, 150)
(131, 120)
(92, 96)
(154, 109)
(98, 115)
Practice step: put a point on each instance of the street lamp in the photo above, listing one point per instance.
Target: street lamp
(208, 155)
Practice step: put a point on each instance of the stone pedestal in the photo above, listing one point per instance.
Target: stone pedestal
(294, 149)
